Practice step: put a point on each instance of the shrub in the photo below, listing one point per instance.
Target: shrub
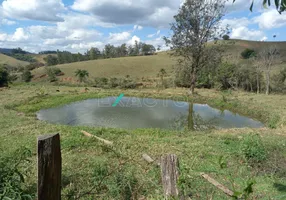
(4, 77)
(253, 149)
(114, 82)
(81, 74)
(12, 175)
(34, 65)
(225, 37)
(27, 76)
(101, 82)
(248, 53)
(273, 122)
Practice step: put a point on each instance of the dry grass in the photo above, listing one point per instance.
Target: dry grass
(11, 61)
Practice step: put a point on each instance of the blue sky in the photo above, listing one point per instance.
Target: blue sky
(77, 25)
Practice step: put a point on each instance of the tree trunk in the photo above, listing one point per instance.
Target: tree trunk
(258, 83)
(193, 83)
(267, 82)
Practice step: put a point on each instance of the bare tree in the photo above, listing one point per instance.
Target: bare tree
(197, 22)
(268, 58)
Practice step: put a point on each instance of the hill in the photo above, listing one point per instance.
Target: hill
(149, 66)
(136, 67)
(11, 61)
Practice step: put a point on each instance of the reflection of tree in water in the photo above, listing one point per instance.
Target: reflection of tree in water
(194, 121)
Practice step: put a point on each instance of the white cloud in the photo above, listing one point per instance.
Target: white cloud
(43, 10)
(7, 22)
(118, 38)
(137, 27)
(133, 40)
(18, 36)
(155, 34)
(270, 19)
(158, 42)
(247, 34)
(235, 22)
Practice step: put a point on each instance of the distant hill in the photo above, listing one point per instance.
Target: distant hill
(5, 51)
(149, 66)
(4, 59)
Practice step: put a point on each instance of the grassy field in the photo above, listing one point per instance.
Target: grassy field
(149, 66)
(11, 61)
(136, 67)
(94, 171)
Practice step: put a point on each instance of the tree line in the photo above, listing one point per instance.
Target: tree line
(94, 53)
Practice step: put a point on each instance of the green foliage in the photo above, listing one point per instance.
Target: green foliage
(12, 175)
(273, 121)
(51, 60)
(246, 192)
(253, 149)
(27, 76)
(23, 57)
(4, 76)
(34, 65)
(81, 74)
(279, 81)
(52, 73)
(225, 76)
(225, 37)
(248, 53)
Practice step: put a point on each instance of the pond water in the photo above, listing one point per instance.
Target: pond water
(132, 113)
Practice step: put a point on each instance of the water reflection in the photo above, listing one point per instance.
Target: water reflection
(134, 113)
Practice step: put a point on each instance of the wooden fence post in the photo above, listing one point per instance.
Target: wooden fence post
(170, 175)
(49, 167)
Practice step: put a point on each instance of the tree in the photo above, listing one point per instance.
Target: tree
(268, 57)
(148, 49)
(162, 74)
(93, 53)
(4, 76)
(280, 4)
(51, 60)
(248, 53)
(81, 74)
(197, 22)
(225, 37)
(27, 76)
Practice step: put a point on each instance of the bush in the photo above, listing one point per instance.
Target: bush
(34, 65)
(12, 175)
(53, 72)
(4, 77)
(253, 149)
(101, 82)
(225, 37)
(279, 81)
(27, 76)
(248, 53)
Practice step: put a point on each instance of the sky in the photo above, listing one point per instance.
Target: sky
(77, 25)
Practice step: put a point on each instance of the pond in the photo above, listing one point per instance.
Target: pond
(132, 113)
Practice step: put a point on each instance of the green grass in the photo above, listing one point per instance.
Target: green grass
(11, 61)
(94, 171)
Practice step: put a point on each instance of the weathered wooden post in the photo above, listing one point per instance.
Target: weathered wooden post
(49, 167)
(170, 175)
